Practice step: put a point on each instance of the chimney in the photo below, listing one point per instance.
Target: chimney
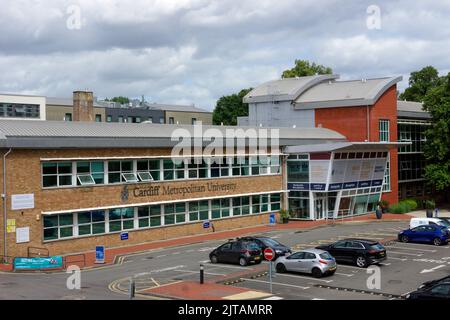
(83, 106)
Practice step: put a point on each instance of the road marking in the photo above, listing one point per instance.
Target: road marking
(406, 253)
(384, 264)
(347, 266)
(317, 299)
(415, 249)
(211, 273)
(404, 259)
(296, 276)
(159, 270)
(378, 234)
(344, 274)
(154, 281)
(432, 269)
(160, 256)
(273, 298)
(204, 261)
(205, 249)
(276, 283)
(230, 267)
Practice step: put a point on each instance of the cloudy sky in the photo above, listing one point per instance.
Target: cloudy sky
(195, 51)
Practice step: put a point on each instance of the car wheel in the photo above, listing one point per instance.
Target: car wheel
(242, 262)
(404, 239)
(281, 268)
(361, 262)
(437, 241)
(316, 273)
(214, 259)
(332, 273)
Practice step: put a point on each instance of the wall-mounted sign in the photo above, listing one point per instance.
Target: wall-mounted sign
(22, 201)
(23, 235)
(272, 219)
(38, 263)
(162, 190)
(124, 236)
(298, 186)
(11, 225)
(206, 224)
(100, 254)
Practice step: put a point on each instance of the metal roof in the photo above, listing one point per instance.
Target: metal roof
(344, 93)
(343, 146)
(410, 109)
(62, 134)
(285, 89)
(177, 108)
(67, 102)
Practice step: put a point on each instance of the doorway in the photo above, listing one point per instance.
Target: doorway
(320, 207)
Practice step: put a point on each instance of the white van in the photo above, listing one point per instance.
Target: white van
(415, 222)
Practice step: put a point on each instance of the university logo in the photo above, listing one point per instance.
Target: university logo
(124, 194)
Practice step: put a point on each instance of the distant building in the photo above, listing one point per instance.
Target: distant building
(179, 114)
(61, 109)
(14, 106)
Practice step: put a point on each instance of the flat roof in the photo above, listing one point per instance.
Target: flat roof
(63, 134)
(411, 109)
(344, 146)
(175, 108)
(66, 102)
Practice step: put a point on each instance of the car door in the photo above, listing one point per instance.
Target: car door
(223, 253)
(235, 252)
(354, 249)
(338, 250)
(307, 262)
(294, 262)
(417, 234)
(438, 292)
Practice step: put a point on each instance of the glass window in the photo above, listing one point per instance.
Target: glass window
(384, 130)
(117, 168)
(121, 219)
(56, 174)
(387, 175)
(275, 201)
(297, 171)
(58, 227)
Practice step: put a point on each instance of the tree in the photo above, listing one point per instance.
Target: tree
(437, 147)
(420, 82)
(228, 108)
(304, 68)
(120, 99)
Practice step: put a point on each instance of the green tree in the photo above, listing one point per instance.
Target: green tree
(437, 147)
(120, 99)
(420, 82)
(228, 108)
(304, 68)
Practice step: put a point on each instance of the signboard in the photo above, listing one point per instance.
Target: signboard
(269, 254)
(298, 186)
(38, 263)
(206, 224)
(100, 254)
(22, 201)
(124, 236)
(10, 225)
(318, 186)
(22, 235)
(272, 219)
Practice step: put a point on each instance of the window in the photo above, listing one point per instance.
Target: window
(241, 206)
(98, 118)
(116, 169)
(150, 167)
(171, 120)
(443, 289)
(161, 120)
(198, 210)
(138, 120)
(173, 171)
(220, 168)
(297, 171)
(149, 216)
(58, 226)
(108, 118)
(130, 119)
(150, 120)
(130, 177)
(275, 199)
(18, 110)
(220, 208)
(90, 172)
(240, 166)
(198, 168)
(91, 222)
(121, 219)
(120, 119)
(387, 175)
(193, 120)
(383, 126)
(68, 117)
(174, 213)
(56, 174)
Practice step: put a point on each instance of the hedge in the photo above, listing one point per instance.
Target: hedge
(403, 206)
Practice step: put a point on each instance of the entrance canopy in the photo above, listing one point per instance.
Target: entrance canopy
(344, 146)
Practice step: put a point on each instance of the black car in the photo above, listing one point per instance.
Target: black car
(238, 251)
(266, 242)
(360, 252)
(432, 290)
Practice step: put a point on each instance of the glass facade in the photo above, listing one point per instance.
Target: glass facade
(19, 110)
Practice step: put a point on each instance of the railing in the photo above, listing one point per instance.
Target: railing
(6, 259)
(37, 252)
(75, 259)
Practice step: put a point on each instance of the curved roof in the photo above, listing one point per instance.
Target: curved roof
(345, 93)
(285, 89)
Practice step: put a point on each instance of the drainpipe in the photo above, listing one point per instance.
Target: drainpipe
(368, 123)
(5, 251)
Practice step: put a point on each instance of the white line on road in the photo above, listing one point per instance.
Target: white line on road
(401, 259)
(415, 249)
(296, 276)
(191, 271)
(276, 283)
(344, 274)
(406, 253)
(432, 269)
(273, 298)
(160, 256)
(230, 267)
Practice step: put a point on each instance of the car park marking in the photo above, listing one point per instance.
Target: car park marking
(205, 249)
(219, 265)
(276, 283)
(160, 256)
(344, 274)
(401, 259)
(406, 253)
(347, 266)
(379, 234)
(303, 277)
(415, 249)
(204, 261)
(433, 269)
(206, 272)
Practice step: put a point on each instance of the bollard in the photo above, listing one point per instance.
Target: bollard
(132, 289)
(202, 277)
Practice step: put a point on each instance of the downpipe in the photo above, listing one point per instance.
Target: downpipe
(5, 250)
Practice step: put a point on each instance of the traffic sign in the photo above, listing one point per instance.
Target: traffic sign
(269, 254)
(206, 224)
(100, 254)
(272, 219)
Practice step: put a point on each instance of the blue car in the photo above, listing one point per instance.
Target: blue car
(435, 234)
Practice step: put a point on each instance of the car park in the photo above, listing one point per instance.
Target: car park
(313, 261)
(434, 234)
(360, 252)
(432, 290)
(237, 251)
(415, 222)
(266, 242)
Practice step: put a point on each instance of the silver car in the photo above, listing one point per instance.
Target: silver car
(314, 261)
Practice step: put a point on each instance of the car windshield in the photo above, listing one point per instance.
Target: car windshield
(270, 242)
(326, 256)
(377, 246)
(251, 246)
(444, 223)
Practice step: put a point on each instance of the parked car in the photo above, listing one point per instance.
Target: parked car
(238, 251)
(432, 290)
(435, 234)
(360, 252)
(265, 242)
(415, 222)
(314, 261)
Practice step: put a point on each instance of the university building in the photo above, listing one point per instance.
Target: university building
(69, 186)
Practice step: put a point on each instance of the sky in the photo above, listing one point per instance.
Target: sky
(195, 51)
